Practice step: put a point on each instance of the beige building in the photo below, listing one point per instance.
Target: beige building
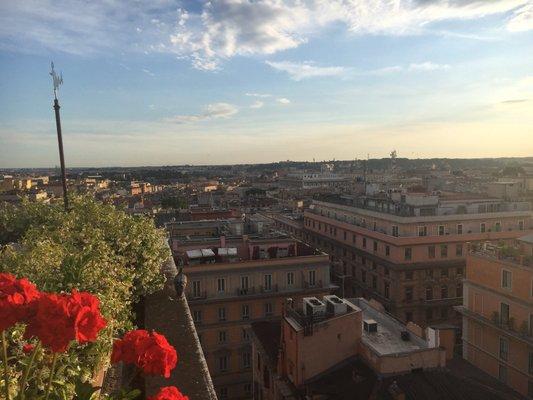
(498, 313)
(408, 252)
(234, 281)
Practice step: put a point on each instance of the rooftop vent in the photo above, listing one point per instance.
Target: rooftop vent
(313, 306)
(335, 305)
(405, 336)
(370, 326)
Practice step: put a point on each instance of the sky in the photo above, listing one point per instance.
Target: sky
(170, 82)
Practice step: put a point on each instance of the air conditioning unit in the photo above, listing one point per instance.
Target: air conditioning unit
(335, 305)
(370, 325)
(313, 307)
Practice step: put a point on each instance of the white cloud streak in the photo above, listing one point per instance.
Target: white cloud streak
(305, 70)
(257, 104)
(283, 100)
(211, 111)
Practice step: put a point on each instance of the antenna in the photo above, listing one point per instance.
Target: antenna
(57, 80)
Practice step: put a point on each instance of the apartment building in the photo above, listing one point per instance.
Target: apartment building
(498, 312)
(234, 280)
(408, 250)
(371, 355)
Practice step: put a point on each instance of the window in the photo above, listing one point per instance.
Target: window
(354, 238)
(459, 290)
(502, 373)
(244, 282)
(374, 282)
(409, 293)
(429, 293)
(520, 225)
(530, 363)
(394, 230)
(441, 230)
(245, 335)
(504, 349)
(375, 246)
(247, 389)
(387, 290)
(444, 292)
(245, 312)
(223, 393)
(444, 250)
(197, 316)
(409, 275)
(431, 251)
(506, 279)
(444, 312)
(422, 231)
(268, 309)
(290, 278)
(459, 250)
(482, 227)
(364, 243)
(363, 275)
(504, 313)
(268, 282)
(459, 271)
(223, 367)
(345, 235)
(196, 291)
(387, 251)
(408, 316)
(429, 273)
(222, 336)
(221, 285)
(429, 314)
(312, 278)
(246, 360)
(222, 314)
(408, 253)
(459, 229)
(498, 226)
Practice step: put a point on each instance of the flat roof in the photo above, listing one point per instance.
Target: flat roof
(387, 340)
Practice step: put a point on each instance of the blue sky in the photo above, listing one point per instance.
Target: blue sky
(238, 81)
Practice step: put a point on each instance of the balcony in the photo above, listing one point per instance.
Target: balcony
(495, 322)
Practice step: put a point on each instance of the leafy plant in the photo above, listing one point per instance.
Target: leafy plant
(93, 247)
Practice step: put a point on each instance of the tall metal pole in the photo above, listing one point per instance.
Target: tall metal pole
(61, 155)
(58, 80)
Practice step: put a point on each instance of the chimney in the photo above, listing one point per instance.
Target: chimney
(223, 241)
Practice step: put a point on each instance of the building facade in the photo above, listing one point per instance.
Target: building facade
(498, 313)
(234, 281)
(409, 252)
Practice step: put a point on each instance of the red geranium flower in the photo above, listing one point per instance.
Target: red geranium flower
(28, 348)
(88, 321)
(57, 319)
(158, 357)
(150, 352)
(169, 393)
(15, 297)
(129, 347)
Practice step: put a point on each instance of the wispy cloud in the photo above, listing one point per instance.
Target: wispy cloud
(218, 30)
(148, 72)
(261, 95)
(257, 104)
(283, 100)
(427, 66)
(305, 70)
(211, 111)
